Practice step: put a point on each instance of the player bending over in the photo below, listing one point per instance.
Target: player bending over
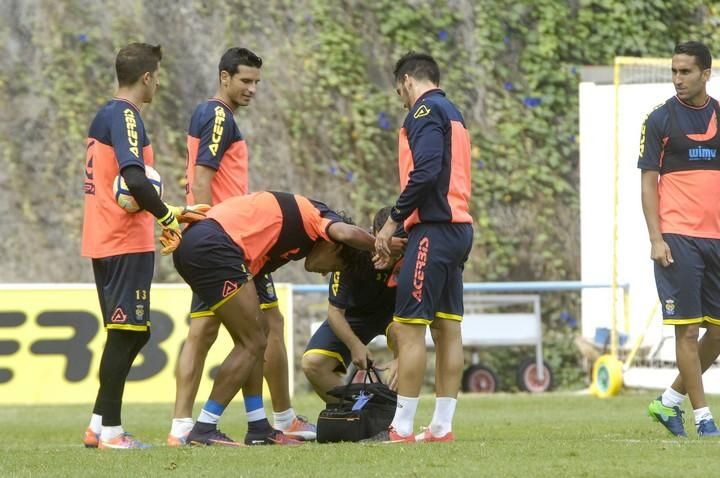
(242, 237)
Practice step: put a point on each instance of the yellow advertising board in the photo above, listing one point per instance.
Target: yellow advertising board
(52, 338)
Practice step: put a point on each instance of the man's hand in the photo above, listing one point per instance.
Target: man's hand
(391, 375)
(397, 246)
(660, 252)
(170, 237)
(360, 356)
(383, 243)
(189, 214)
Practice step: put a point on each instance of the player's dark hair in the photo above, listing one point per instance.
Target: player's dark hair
(420, 66)
(699, 50)
(234, 57)
(381, 218)
(136, 59)
(357, 262)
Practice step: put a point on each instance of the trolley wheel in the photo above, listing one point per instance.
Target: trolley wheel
(480, 379)
(527, 379)
(607, 379)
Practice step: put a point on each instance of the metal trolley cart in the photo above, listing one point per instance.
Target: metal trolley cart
(485, 324)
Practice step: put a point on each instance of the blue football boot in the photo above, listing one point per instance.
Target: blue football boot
(707, 428)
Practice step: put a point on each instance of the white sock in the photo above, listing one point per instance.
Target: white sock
(108, 433)
(283, 420)
(441, 423)
(181, 427)
(95, 423)
(256, 415)
(702, 414)
(671, 398)
(404, 419)
(207, 417)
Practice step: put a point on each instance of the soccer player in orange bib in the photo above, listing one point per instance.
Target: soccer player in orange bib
(121, 244)
(217, 169)
(244, 237)
(680, 179)
(434, 159)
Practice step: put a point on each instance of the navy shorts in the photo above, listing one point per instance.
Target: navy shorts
(325, 342)
(689, 288)
(123, 286)
(430, 283)
(211, 263)
(265, 291)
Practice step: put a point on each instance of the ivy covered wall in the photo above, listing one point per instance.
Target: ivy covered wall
(325, 118)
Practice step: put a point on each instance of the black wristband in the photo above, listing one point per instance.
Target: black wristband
(395, 215)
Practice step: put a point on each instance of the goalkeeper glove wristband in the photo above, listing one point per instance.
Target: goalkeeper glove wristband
(170, 237)
(169, 220)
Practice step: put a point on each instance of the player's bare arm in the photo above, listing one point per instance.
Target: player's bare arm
(351, 235)
(659, 250)
(201, 187)
(339, 325)
(382, 239)
(387, 246)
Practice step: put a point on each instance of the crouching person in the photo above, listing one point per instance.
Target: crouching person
(360, 307)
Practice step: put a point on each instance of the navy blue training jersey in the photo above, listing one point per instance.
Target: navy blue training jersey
(364, 296)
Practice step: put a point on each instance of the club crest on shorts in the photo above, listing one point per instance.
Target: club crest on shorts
(229, 288)
(669, 307)
(139, 311)
(118, 316)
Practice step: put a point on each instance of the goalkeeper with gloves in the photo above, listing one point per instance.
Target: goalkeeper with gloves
(121, 244)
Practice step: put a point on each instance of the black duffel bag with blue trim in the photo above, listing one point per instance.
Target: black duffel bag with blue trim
(364, 410)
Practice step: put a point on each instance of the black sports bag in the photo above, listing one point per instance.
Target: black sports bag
(364, 410)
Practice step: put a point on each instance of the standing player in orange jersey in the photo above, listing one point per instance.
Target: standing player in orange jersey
(679, 180)
(434, 160)
(217, 169)
(121, 244)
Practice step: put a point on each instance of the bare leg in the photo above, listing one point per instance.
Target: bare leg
(709, 349)
(688, 361)
(449, 357)
(239, 315)
(276, 361)
(320, 372)
(411, 363)
(253, 386)
(412, 356)
(188, 372)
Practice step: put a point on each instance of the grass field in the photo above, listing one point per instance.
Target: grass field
(550, 435)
